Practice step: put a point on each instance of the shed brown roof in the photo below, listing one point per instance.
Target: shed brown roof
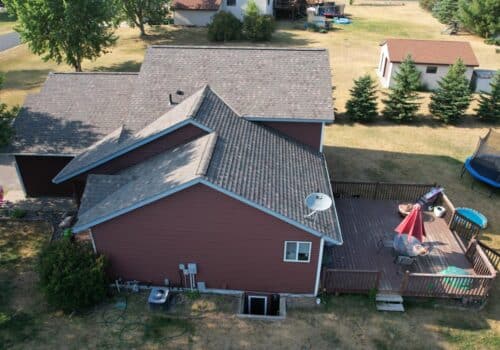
(431, 51)
(208, 5)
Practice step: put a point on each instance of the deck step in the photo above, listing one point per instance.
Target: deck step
(389, 298)
(390, 307)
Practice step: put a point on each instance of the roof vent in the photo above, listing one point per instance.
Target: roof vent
(180, 92)
(170, 100)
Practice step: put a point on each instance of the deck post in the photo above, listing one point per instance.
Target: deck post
(404, 282)
(377, 282)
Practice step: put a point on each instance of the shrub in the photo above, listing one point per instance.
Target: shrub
(451, 99)
(489, 103)
(224, 27)
(18, 213)
(362, 106)
(257, 27)
(427, 4)
(72, 277)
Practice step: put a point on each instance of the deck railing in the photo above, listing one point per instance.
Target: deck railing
(349, 281)
(492, 254)
(446, 286)
(379, 190)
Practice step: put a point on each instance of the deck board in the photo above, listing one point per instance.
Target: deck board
(365, 222)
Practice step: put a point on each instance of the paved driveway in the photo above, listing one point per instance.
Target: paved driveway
(8, 178)
(9, 40)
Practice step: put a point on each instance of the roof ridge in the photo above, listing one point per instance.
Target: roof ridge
(445, 41)
(196, 107)
(94, 73)
(206, 156)
(257, 48)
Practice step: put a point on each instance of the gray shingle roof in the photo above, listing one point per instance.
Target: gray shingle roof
(119, 141)
(248, 160)
(282, 83)
(146, 180)
(75, 110)
(72, 111)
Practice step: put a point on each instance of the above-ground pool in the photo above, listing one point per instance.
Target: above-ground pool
(342, 21)
(473, 216)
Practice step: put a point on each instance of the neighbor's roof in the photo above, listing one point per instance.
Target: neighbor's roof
(431, 51)
(71, 112)
(210, 5)
(247, 161)
(75, 110)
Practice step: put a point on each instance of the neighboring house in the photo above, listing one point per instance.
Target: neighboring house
(200, 12)
(284, 89)
(205, 156)
(432, 58)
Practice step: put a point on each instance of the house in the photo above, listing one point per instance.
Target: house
(200, 12)
(204, 157)
(432, 58)
(282, 89)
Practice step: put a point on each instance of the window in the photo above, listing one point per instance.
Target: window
(385, 67)
(431, 69)
(297, 251)
(231, 2)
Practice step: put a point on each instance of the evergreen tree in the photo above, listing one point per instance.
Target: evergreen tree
(6, 117)
(65, 31)
(362, 106)
(427, 4)
(480, 16)
(402, 103)
(489, 103)
(445, 10)
(451, 99)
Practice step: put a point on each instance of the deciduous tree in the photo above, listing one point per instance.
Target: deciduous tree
(140, 12)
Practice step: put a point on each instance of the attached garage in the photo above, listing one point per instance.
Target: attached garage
(36, 174)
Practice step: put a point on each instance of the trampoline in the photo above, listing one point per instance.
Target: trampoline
(484, 164)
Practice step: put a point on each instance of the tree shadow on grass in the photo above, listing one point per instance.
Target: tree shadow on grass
(127, 66)
(24, 79)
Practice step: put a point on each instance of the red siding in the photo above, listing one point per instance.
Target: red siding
(185, 134)
(234, 245)
(37, 173)
(307, 133)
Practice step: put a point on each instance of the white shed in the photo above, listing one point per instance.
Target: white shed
(433, 59)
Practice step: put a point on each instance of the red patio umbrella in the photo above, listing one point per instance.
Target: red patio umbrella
(413, 224)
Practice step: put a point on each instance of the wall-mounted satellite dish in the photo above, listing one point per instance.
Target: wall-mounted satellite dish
(318, 202)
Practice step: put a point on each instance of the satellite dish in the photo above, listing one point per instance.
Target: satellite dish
(318, 202)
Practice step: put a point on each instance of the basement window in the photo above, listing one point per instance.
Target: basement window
(231, 2)
(431, 69)
(297, 251)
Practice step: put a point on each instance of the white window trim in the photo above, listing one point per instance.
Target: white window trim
(296, 260)
(250, 297)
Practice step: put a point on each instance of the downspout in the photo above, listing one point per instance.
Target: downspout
(318, 270)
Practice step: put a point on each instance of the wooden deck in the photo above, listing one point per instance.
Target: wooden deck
(365, 222)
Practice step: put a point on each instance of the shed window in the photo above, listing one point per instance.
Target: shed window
(297, 251)
(231, 2)
(431, 69)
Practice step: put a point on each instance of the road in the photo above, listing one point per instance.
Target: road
(9, 40)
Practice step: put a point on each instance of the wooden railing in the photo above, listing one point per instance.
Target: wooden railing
(450, 286)
(492, 254)
(445, 286)
(379, 190)
(349, 281)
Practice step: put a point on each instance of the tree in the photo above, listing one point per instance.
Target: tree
(6, 117)
(72, 277)
(66, 31)
(481, 17)
(445, 10)
(224, 27)
(257, 27)
(362, 106)
(427, 4)
(451, 99)
(140, 12)
(402, 102)
(489, 103)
